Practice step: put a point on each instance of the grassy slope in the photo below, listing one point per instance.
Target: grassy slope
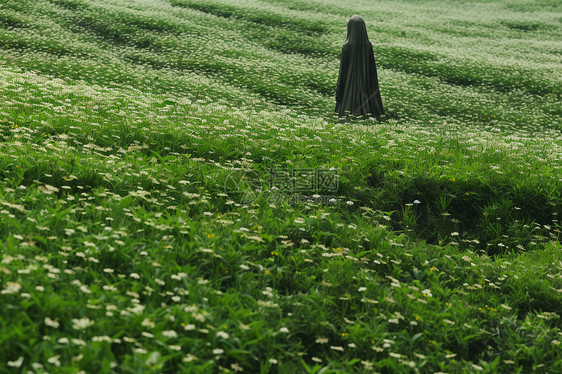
(122, 124)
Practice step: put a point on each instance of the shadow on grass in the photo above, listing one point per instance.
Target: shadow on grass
(496, 216)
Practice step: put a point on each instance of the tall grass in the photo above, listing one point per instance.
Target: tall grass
(162, 208)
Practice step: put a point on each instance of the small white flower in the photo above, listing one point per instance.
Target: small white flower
(349, 202)
(218, 351)
(417, 201)
(223, 335)
(82, 323)
(153, 358)
(17, 363)
(284, 329)
(85, 289)
(51, 323)
(54, 360)
(236, 367)
(477, 367)
(189, 358)
(170, 334)
(11, 287)
(103, 338)
(78, 342)
(147, 323)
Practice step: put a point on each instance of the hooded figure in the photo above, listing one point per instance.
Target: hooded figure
(357, 92)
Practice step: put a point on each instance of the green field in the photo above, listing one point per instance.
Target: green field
(176, 195)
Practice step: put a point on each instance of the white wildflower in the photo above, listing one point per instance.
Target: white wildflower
(82, 323)
(11, 287)
(15, 364)
(51, 323)
(169, 334)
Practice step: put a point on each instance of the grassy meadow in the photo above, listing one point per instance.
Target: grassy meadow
(176, 195)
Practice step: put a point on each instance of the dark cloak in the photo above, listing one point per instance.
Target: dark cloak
(357, 91)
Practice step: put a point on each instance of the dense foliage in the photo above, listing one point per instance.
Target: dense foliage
(176, 196)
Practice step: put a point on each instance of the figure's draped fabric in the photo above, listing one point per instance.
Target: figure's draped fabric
(357, 90)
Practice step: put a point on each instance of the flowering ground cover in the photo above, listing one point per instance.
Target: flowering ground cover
(176, 196)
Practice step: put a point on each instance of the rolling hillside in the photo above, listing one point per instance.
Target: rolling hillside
(176, 195)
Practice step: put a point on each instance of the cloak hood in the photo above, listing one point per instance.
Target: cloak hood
(357, 31)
